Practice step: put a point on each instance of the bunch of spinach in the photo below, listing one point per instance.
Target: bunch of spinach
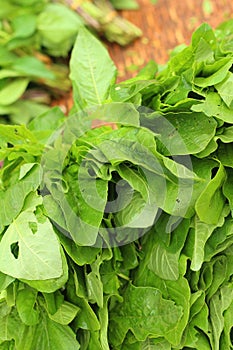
(120, 237)
(34, 35)
(35, 42)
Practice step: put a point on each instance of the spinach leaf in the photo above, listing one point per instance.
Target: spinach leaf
(89, 63)
(120, 236)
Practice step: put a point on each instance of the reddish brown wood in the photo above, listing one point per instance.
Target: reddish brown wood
(165, 25)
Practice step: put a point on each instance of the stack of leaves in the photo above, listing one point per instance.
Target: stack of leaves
(31, 32)
(122, 238)
(34, 36)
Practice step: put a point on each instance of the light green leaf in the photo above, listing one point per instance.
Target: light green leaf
(225, 154)
(5, 281)
(92, 70)
(30, 249)
(65, 314)
(183, 133)
(211, 201)
(53, 284)
(13, 91)
(228, 188)
(94, 284)
(218, 304)
(103, 317)
(204, 31)
(144, 312)
(30, 66)
(22, 111)
(218, 71)
(26, 306)
(25, 169)
(225, 90)
(57, 27)
(220, 239)
(163, 263)
(87, 318)
(9, 73)
(214, 106)
(204, 52)
(202, 232)
(6, 56)
(46, 335)
(15, 134)
(50, 335)
(24, 25)
(20, 190)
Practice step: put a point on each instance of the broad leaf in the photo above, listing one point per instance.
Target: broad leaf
(92, 70)
(30, 249)
(155, 316)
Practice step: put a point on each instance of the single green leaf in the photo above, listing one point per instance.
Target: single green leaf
(218, 304)
(219, 275)
(13, 91)
(5, 281)
(30, 66)
(94, 288)
(182, 133)
(204, 52)
(23, 26)
(103, 316)
(57, 27)
(163, 263)
(53, 301)
(53, 284)
(211, 201)
(204, 31)
(65, 314)
(228, 188)
(144, 312)
(26, 306)
(219, 72)
(10, 73)
(87, 319)
(225, 90)
(90, 62)
(28, 182)
(220, 239)
(37, 254)
(214, 106)
(202, 232)
(6, 56)
(23, 111)
(15, 135)
(225, 154)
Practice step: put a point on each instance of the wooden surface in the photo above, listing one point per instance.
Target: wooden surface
(165, 25)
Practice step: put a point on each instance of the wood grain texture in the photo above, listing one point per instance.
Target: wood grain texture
(165, 25)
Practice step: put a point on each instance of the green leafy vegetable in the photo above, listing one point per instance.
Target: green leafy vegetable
(89, 63)
(120, 236)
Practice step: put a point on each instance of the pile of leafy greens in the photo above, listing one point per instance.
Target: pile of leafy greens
(121, 237)
(36, 37)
